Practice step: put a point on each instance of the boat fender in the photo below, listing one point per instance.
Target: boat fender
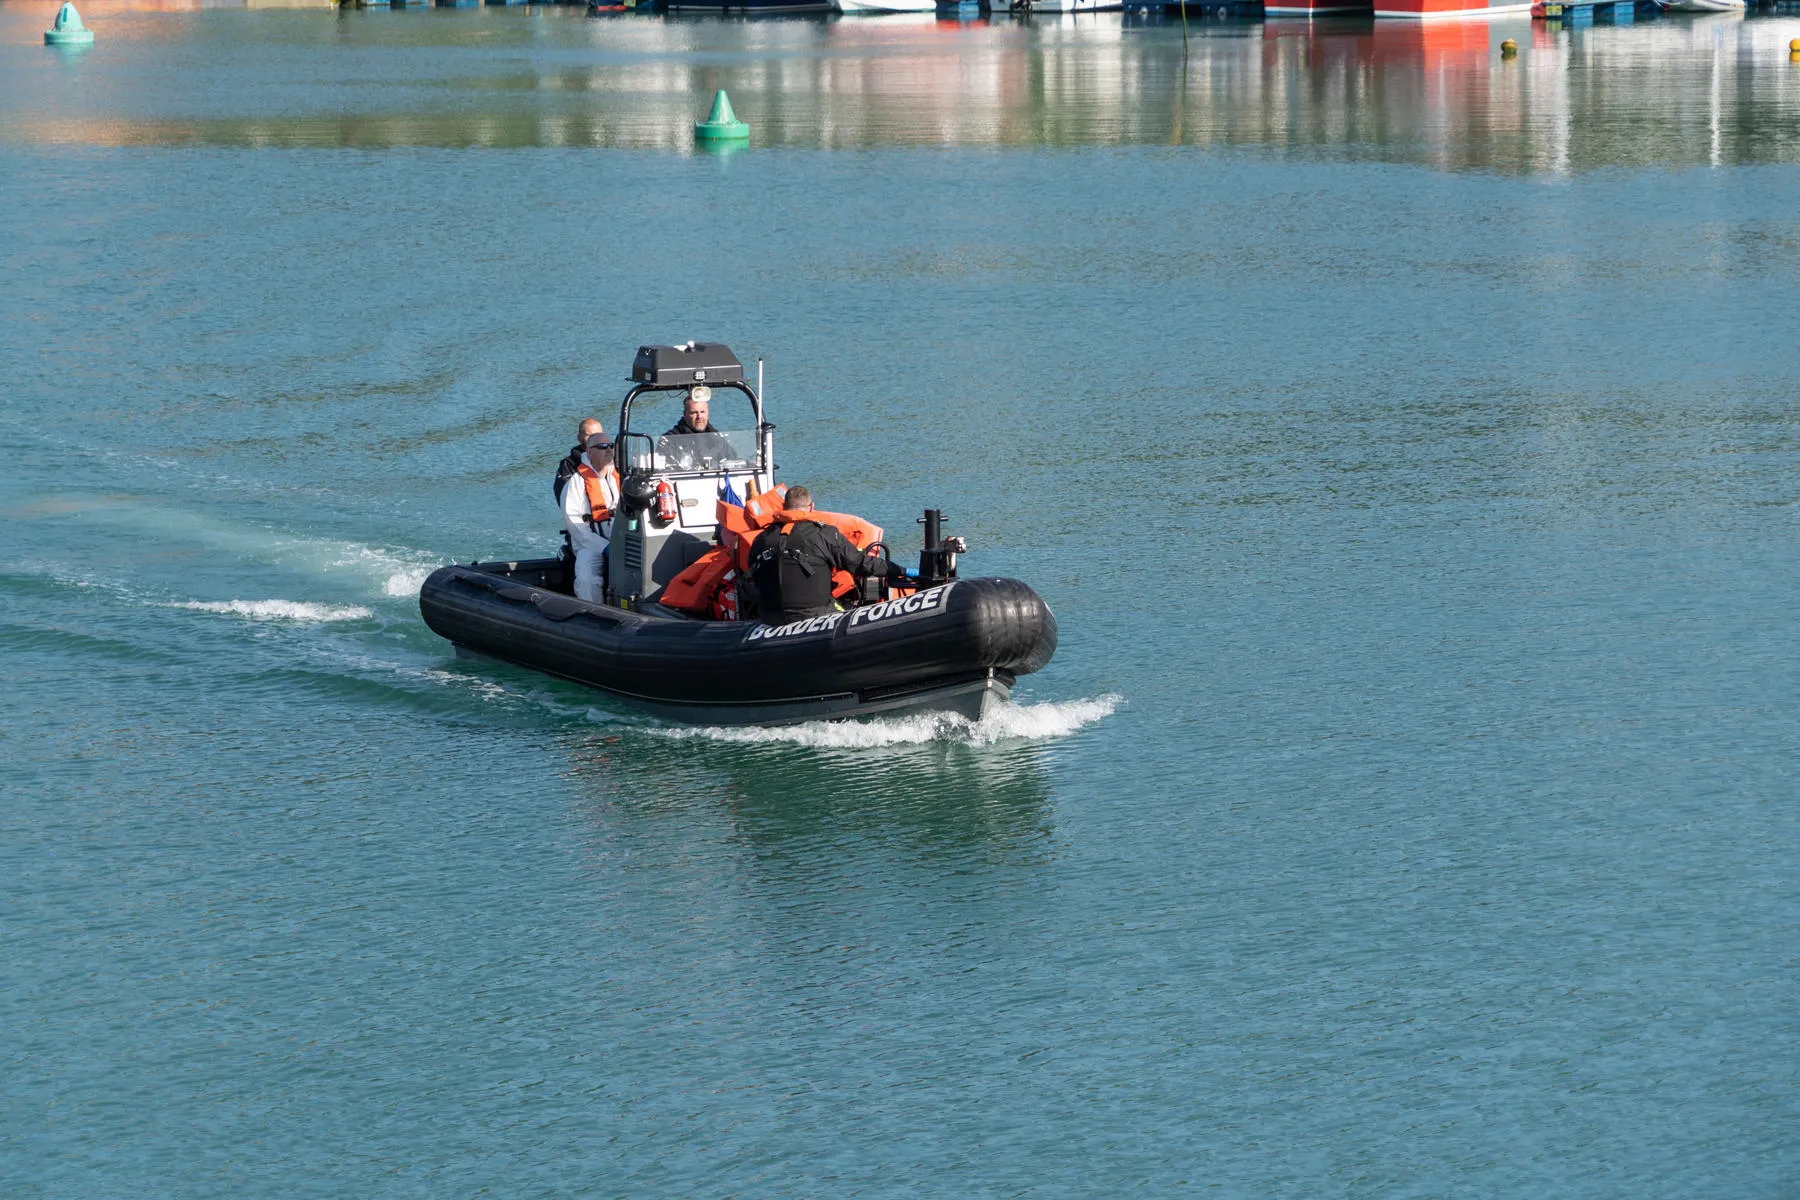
(665, 501)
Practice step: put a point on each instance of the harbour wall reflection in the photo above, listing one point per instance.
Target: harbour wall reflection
(1674, 91)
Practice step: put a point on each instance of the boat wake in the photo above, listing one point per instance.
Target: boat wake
(278, 610)
(398, 573)
(1009, 722)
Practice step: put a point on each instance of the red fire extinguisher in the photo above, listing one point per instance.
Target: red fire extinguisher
(665, 501)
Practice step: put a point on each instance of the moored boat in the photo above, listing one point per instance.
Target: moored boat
(1068, 6)
(665, 638)
(886, 6)
(751, 7)
(1431, 10)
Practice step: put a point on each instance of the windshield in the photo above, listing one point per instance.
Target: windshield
(707, 451)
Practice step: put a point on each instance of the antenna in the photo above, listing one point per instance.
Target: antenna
(764, 437)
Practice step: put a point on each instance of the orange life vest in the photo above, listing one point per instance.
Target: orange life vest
(599, 505)
(856, 531)
(696, 589)
(764, 509)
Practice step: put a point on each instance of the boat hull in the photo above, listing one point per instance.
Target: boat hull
(1433, 10)
(955, 648)
(876, 7)
(752, 6)
(1324, 8)
(1077, 6)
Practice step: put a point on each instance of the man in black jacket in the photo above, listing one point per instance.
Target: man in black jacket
(572, 460)
(694, 440)
(791, 564)
(695, 413)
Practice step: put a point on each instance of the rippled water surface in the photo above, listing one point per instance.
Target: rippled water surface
(1406, 440)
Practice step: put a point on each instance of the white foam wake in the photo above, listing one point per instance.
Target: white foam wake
(407, 582)
(400, 572)
(1009, 722)
(279, 610)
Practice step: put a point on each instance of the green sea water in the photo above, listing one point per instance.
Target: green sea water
(1405, 439)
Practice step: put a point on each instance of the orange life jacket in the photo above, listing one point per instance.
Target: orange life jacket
(763, 510)
(856, 531)
(725, 598)
(732, 520)
(599, 506)
(696, 589)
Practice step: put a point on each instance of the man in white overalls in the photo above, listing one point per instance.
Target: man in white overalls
(587, 515)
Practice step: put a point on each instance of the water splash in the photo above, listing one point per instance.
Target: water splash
(278, 610)
(400, 572)
(1009, 722)
(405, 583)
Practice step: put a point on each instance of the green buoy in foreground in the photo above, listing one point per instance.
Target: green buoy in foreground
(68, 30)
(722, 125)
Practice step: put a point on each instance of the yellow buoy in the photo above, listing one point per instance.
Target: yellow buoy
(1794, 46)
(1509, 49)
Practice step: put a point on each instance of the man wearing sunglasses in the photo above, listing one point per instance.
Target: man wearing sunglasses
(589, 500)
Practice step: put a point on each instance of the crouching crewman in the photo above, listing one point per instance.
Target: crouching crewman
(791, 564)
(587, 514)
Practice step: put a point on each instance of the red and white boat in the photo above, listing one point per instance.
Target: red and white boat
(1413, 9)
(1315, 8)
(1431, 10)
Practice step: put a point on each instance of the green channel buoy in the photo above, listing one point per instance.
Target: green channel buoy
(68, 30)
(722, 125)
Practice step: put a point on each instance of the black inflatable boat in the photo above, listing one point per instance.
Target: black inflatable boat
(940, 643)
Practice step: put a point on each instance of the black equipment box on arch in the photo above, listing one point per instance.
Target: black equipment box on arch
(696, 362)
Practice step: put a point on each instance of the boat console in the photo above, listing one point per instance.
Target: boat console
(670, 483)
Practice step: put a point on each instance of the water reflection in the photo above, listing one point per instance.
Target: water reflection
(1680, 90)
(945, 798)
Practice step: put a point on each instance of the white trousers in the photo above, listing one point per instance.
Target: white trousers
(589, 562)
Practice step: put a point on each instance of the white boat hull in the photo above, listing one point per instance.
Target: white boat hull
(886, 6)
(1701, 5)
